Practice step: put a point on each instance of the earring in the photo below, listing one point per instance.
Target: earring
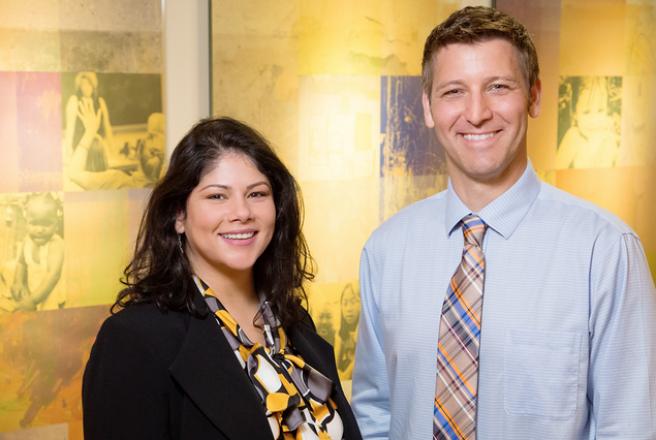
(180, 244)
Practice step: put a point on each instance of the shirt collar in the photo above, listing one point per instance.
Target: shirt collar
(502, 214)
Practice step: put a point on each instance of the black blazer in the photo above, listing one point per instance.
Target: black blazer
(155, 375)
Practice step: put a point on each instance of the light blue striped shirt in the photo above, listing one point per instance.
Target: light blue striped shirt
(568, 339)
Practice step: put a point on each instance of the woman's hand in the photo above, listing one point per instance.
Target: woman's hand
(91, 121)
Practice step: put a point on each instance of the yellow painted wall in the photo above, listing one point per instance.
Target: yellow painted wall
(325, 82)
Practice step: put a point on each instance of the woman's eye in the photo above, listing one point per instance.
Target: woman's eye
(257, 194)
(216, 196)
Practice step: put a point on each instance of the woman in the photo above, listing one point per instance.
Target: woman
(88, 130)
(212, 341)
(349, 304)
(88, 140)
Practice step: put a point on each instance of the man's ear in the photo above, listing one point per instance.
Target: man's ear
(428, 117)
(179, 222)
(535, 95)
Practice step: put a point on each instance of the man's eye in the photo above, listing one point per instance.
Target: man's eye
(499, 87)
(452, 92)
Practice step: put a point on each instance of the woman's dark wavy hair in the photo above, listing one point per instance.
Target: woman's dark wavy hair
(160, 273)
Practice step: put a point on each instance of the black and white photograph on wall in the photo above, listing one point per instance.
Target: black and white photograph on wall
(589, 121)
(31, 252)
(336, 316)
(113, 130)
(349, 314)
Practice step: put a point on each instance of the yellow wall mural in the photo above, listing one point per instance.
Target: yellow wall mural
(335, 86)
(595, 136)
(70, 196)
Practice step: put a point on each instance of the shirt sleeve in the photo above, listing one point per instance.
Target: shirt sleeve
(123, 390)
(622, 375)
(370, 400)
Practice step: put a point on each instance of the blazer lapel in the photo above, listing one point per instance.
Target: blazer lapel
(207, 370)
(320, 355)
(313, 350)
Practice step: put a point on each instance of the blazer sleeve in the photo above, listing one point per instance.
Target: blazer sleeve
(124, 386)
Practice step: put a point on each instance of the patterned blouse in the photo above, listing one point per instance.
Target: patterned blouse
(296, 397)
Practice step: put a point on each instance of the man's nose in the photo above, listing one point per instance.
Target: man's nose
(478, 109)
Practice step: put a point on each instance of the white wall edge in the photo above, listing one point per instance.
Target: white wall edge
(186, 76)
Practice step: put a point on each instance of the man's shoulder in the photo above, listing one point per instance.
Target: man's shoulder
(584, 213)
(429, 210)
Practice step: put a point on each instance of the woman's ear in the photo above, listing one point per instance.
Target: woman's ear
(180, 223)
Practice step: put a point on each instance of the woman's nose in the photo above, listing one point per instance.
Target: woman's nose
(240, 209)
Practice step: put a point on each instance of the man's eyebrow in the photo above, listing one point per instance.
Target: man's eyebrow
(459, 82)
(503, 78)
(454, 82)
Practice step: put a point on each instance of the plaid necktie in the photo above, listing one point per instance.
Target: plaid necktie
(454, 413)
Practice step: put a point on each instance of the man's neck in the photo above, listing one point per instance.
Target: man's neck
(477, 194)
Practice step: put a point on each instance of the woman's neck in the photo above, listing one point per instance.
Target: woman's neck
(237, 288)
(237, 294)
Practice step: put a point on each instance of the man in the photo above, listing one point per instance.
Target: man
(565, 345)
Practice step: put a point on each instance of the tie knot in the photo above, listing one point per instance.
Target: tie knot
(473, 229)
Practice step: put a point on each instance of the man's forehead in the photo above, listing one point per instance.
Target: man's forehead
(457, 46)
(469, 53)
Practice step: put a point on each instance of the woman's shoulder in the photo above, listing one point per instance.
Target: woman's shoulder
(307, 320)
(145, 324)
(147, 315)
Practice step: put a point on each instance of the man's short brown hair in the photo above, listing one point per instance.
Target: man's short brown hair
(474, 24)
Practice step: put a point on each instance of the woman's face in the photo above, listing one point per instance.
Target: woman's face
(350, 306)
(230, 218)
(86, 88)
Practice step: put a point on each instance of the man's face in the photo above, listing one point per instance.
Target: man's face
(478, 107)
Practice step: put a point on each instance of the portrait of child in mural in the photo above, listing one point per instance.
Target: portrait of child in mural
(325, 325)
(33, 254)
(336, 313)
(349, 305)
(126, 151)
(589, 118)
